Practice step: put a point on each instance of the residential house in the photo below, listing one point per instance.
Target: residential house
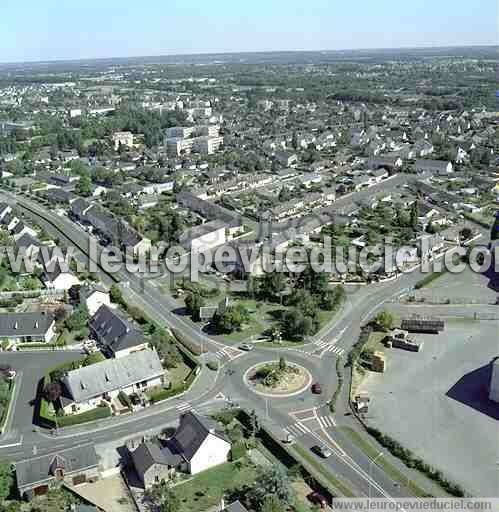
(21, 229)
(28, 244)
(196, 446)
(122, 139)
(205, 236)
(27, 327)
(4, 210)
(117, 336)
(93, 296)
(99, 384)
(439, 167)
(73, 466)
(286, 158)
(387, 162)
(56, 278)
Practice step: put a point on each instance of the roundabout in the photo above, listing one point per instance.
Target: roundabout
(277, 379)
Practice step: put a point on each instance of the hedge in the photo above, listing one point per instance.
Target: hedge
(125, 399)
(212, 365)
(193, 347)
(336, 394)
(412, 461)
(429, 279)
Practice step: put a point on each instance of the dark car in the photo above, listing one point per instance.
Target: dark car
(316, 388)
(318, 499)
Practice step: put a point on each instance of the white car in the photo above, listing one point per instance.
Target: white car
(246, 347)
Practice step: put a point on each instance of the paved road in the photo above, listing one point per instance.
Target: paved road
(319, 357)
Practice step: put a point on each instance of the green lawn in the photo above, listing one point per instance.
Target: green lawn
(206, 489)
(179, 373)
(6, 390)
(369, 450)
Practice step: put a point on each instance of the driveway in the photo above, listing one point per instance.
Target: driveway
(31, 367)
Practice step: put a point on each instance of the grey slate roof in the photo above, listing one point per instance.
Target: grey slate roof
(192, 432)
(36, 470)
(147, 455)
(26, 241)
(113, 331)
(15, 325)
(112, 374)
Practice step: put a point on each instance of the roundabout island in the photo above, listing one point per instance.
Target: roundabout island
(278, 379)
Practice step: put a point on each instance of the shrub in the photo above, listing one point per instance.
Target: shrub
(238, 450)
(212, 365)
(125, 399)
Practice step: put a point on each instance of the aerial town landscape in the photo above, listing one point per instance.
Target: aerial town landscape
(168, 342)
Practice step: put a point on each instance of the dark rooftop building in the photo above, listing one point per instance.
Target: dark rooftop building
(421, 324)
(73, 466)
(115, 333)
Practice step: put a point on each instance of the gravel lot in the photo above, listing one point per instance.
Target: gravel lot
(436, 403)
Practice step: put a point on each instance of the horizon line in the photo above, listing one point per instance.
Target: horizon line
(243, 52)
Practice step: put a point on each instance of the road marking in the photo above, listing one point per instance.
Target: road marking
(183, 407)
(298, 429)
(326, 421)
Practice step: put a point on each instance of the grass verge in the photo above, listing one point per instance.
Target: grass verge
(310, 460)
(388, 468)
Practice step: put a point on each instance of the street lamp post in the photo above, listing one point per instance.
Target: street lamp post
(371, 464)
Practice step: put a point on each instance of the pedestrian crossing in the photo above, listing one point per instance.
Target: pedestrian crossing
(183, 407)
(335, 350)
(297, 430)
(329, 346)
(228, 353)
(326, 421)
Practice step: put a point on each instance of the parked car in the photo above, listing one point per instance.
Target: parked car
(322, 451)
(246, 347)
(316, 388)
(318, 499)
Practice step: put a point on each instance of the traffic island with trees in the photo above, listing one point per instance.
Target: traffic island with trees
(278, 378)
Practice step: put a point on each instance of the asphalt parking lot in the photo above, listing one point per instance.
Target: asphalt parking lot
(435, 403)
(30, 367)
(467, 287)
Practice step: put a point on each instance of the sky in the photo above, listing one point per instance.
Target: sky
(40, 30)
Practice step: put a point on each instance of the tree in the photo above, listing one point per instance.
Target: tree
(414, 215)
(52, 392)
(272, 285)
(282, 364)
(6, 480)
(60, 314)
(170, 501)
(385, 320)
(115, 294)
(272, 504)
(232, 319)
(193, 303)
(84, 186)
(254, 424)
(272, 482)
(78, 320)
